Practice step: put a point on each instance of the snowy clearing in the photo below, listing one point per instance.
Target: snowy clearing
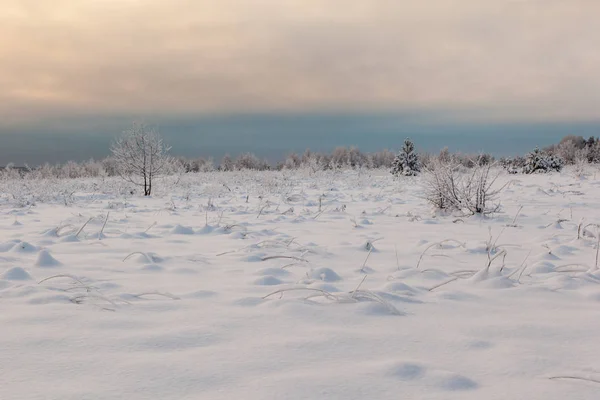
(342, 285)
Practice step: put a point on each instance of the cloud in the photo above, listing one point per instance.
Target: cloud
(503, 59)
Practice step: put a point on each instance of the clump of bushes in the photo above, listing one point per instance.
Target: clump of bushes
(539, 161)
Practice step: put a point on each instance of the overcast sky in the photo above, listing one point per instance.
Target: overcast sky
(506, 60)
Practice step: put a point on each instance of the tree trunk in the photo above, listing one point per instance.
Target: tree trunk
(148, 189)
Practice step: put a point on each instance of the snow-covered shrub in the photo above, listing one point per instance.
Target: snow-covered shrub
(251, 162)
(440, 184)
(382, 159)
(227, 163)
(570, 149)
(478, 191)
(581, 163)
(471, 161)
(407, 161)
(449, 187)
(513, 165)
(347, 157)
(539, 161)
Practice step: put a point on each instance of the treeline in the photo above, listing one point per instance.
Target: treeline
(342, 157)
(570, 150)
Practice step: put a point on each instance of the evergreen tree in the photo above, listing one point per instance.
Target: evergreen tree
(539, 161)
(406, 162)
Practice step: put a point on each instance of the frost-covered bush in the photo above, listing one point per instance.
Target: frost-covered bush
(382, 159)
(513, 165)
(541, 162)
(449, 187)
(248, 161)
(440, 181)
(407, 161)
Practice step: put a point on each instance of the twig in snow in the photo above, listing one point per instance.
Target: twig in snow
(103, 226)
(514, 222)
(168, 295)
(358, 287)
(83, 226)
(444, 283)
(150, 227)
(288, 257)
(577, 378)
(362, 269)
(437, 244)
(597, 248)
(326, 293)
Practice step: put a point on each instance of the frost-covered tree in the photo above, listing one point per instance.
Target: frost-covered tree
(407, 161)
(382, 159)
(593, 150)
(339, 157)
(445, 155)
(540, 161)
(248, 161)
(227, 163)
(203, 165)
(292, 161)
(140, 156)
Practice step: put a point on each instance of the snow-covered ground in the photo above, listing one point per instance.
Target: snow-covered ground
(236, 286)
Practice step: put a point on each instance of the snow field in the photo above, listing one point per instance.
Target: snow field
(285, 285)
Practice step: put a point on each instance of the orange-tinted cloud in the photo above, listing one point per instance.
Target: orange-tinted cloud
(510, 59)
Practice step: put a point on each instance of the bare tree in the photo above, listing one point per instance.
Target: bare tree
(248, 161)
(227, 163)
(140, 156)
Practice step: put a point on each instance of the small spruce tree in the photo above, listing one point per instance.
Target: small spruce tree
(539, 161)
(406, 162)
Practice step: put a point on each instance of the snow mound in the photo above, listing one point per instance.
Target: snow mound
(152, 268)
(69, 239)
(325, 275)
(407, 371)
(4, 247)
(45, 260)
(181, 230)
(144, 258)
(16, 274)
(399, 287)
(268, 280)
(273, 271)
(23, 247)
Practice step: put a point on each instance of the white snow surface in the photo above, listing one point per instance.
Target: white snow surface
(236, 286)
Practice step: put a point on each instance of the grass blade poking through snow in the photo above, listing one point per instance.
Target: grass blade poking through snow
(460, 244)
(362, 269)
(287, 257)
(82, 227)
(577, 378)
(281, 291)
(358, 287)
(103, 226)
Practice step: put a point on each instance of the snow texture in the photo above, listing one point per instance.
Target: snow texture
(214, 289)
